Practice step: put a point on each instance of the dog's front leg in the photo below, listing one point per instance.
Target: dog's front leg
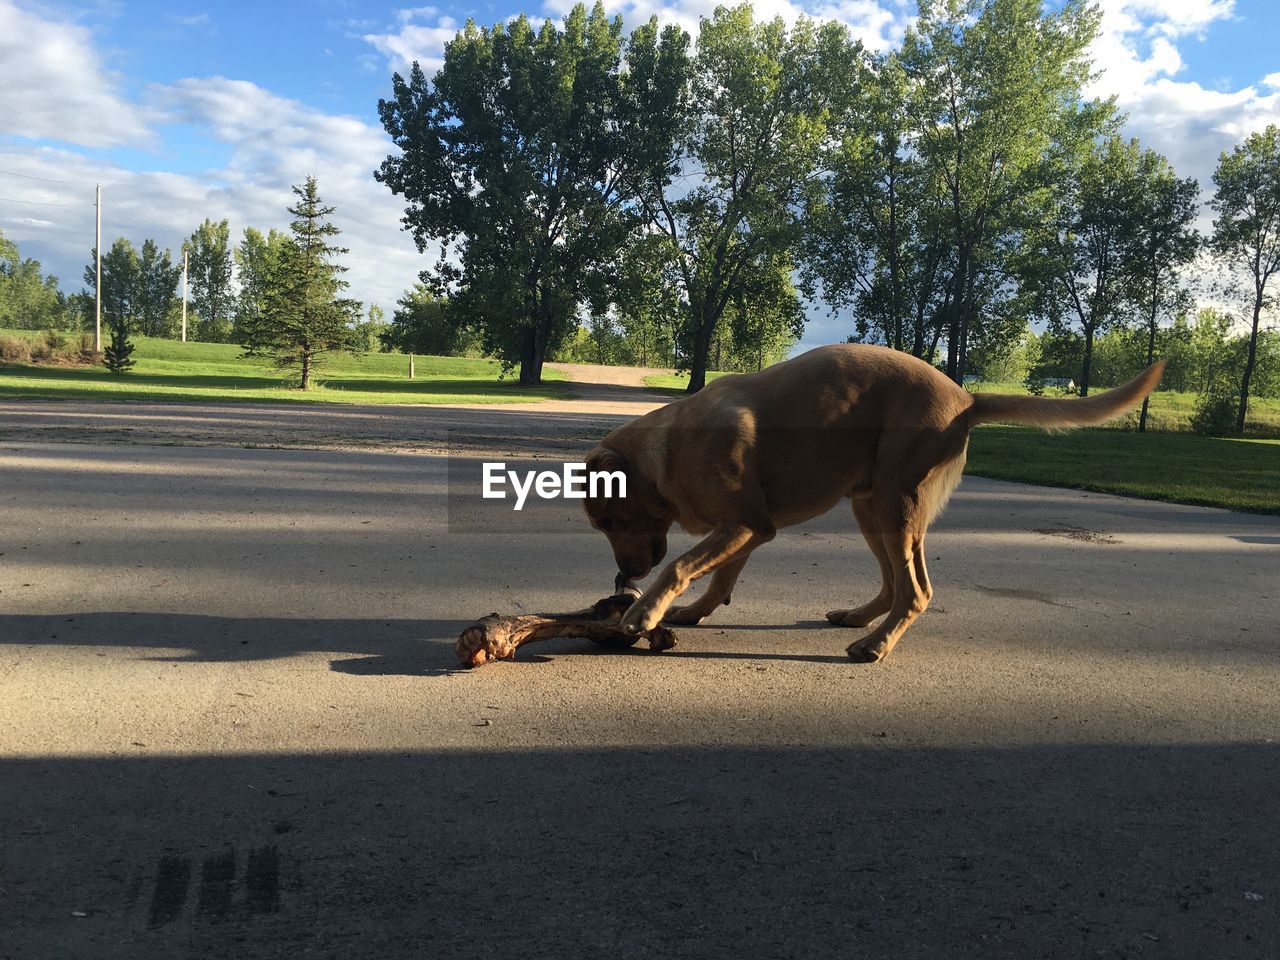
(717, 592)
(728, 541)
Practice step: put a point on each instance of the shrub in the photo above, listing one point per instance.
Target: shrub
(1215, 414)
(15, 350)
(86, 353)
(40, 352)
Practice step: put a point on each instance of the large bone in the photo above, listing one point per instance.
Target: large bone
(497, 637)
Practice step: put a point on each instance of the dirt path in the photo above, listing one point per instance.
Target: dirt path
(599, 373)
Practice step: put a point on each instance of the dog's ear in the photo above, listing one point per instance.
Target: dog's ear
(601, 459)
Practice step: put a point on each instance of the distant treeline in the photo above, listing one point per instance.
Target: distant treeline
(621, 197)
(650, 199)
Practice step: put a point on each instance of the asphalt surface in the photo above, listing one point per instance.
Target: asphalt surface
(232, 725)
(552, 428)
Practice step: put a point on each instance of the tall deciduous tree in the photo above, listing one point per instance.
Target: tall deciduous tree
(647, 304)
(513, 158)
(1163, 242)
(874, 238)
(422, 324)
(996, 84)
(1246, 232)
(257, 258)
(121, 276)
(121, 292)
(727, 202)
(28, 298)
(304, 315)
(1088, 238)
(209, 272)
(157, 290)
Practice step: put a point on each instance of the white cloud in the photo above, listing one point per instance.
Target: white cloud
(1272, 80)
(415, 41)
(274, 143)
(421, 34)
(194, 20)
(1174, 18)
(413, 13)
(56, 87)
(1138, 55)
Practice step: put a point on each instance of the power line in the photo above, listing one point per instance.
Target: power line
(15, 173)
(40, 203)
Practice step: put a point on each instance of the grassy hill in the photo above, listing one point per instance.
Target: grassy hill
(171, 370)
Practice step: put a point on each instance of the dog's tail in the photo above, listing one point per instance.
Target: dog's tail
(1049, 413)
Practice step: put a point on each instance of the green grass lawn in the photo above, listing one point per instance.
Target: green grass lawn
(171, 370)
(1169, 411)
(1175, 467)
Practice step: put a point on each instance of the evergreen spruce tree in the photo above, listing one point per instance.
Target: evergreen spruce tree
(303, 314)
(117, 355)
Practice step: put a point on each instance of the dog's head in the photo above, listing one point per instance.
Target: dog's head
(636, 524)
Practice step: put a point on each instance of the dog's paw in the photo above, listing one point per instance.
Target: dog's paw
(684, 616)
(869, 649)
(857, 617)
(640, 618)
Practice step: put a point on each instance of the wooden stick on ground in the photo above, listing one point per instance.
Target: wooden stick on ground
(498, 637)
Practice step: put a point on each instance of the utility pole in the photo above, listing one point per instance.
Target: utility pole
(184, 294)
(97, 271)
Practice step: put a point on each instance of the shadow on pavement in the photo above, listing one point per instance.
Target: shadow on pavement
(875, 851)
(384, 647)
(230, 639)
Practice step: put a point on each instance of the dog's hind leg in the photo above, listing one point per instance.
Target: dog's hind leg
(922, 571)
(880, 604)
(902, 532)
(718, 592)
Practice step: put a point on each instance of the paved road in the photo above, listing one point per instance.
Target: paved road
(231, 726)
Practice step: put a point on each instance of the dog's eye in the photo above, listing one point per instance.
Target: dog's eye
(604, 523)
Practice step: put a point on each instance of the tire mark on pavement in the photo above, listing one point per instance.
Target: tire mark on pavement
(173, 878)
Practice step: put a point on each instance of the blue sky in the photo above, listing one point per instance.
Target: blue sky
(188, 110)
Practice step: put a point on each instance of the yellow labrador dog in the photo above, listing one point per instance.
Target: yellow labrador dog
(753, 453)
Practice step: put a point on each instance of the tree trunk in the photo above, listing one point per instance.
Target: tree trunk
(966, 312)
(953, 337)
(1248, 364)
(701, 353)
(955, 324)
(1088, 361)
(931, 357)
(306, 369)
(530, 368)
(939, 316)
(1151, 356)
